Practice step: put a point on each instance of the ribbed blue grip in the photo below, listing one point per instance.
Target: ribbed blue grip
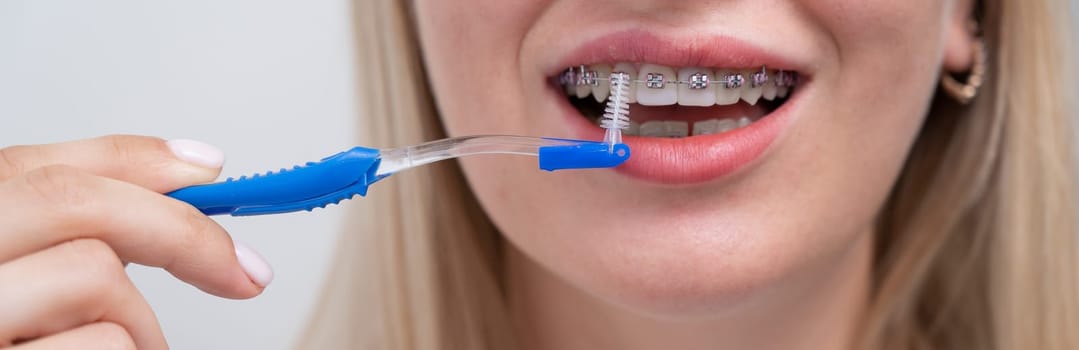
(314, 185)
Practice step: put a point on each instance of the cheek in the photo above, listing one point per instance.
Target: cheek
(873, 95)
(884, 47)
(875, 90)
(471, 52)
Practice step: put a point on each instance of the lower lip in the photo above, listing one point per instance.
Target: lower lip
(694, 159)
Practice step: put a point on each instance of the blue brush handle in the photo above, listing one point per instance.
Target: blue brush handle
(314, 185)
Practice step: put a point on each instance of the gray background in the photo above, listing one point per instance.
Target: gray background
(269, 82)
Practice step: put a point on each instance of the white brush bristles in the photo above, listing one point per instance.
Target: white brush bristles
(616, 114)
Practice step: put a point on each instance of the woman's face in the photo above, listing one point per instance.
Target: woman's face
(690, 224)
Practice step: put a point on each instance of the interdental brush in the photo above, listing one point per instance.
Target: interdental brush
(347, 174)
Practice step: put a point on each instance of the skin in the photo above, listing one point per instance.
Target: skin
(64, 244)
(768, 259)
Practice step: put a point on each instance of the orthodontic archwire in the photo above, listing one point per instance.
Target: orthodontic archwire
(347, 174)
(580, 76)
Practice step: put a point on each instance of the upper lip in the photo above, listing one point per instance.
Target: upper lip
(695, 50)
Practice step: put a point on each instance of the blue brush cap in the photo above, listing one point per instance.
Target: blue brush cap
(583, 155)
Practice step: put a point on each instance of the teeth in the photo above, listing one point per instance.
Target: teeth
(716, 126)
(743, 121)
(571, 90)
(725, 95)
(750, 93)
(652, 129)
(677, 128)
(700, 91)
(603, 87)
(631, 71)
(671, 128)
(725, 125)
(633, 129)
(706, 127)
(582, 91)
(769, 90)
(654, 88)
(656, 85)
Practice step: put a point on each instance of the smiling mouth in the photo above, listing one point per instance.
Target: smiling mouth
(681, 102)
(704, 106)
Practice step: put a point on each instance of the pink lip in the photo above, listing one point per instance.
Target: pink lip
(696, 51)
(692, 159)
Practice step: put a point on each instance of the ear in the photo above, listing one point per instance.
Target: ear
(959, 37)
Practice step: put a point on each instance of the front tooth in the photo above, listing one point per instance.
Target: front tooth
(750, 94)
(769, 90)
(632, 73)
(696, 88)
(603, 86)
(743, 121)
(633, 129)
(659, 91)
(725, 125)
(653, 129)
(726, 95)
(705, 127)
(676, 128)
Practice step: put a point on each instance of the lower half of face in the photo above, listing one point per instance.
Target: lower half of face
(765, 136)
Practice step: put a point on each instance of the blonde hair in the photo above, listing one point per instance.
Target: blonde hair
(976, 248)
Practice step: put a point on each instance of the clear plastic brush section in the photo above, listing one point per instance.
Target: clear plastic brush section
(397, 159)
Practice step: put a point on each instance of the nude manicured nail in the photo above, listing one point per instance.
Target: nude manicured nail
(257, 269)
(197, 153)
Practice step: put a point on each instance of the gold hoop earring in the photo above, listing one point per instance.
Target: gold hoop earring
(965, 92)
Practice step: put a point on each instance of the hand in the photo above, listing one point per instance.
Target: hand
(73, 214)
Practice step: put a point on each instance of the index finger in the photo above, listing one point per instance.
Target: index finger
(58, 203)
(149, 162)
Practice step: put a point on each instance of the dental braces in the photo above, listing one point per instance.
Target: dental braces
(582, 76)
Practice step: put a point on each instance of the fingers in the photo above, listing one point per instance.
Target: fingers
(69, 285)
(94, 336)
(55, 204)
(149, 162)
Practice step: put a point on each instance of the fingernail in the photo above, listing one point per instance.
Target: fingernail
(257, 269)
(196, 152)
